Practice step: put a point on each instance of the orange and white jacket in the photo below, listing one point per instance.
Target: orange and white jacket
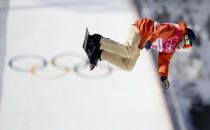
(159, 34)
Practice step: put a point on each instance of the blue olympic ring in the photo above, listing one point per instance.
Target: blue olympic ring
(12, 61)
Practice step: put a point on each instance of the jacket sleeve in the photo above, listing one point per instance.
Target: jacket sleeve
(164, 31)
(163, 63)
(183, 28)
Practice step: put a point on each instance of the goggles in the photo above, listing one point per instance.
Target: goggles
(187, 43)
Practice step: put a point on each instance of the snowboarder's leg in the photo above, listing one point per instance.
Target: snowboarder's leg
(122, 56)
(130, 47)
(119, 61)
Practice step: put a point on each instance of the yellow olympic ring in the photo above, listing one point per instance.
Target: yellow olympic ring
(34, 73)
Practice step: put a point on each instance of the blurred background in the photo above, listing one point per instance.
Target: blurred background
(189, 70)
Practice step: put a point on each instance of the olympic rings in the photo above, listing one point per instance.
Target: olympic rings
(170, 46)
(62, 63)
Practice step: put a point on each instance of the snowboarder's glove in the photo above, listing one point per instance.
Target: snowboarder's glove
(164, 82)
(147, 45)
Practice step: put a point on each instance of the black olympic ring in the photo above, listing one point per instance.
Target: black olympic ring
(81, 68)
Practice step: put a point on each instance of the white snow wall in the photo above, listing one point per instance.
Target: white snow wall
(46, 83)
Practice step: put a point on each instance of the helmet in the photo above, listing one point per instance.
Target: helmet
(189, 38)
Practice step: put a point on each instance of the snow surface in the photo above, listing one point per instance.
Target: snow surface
(68, 96)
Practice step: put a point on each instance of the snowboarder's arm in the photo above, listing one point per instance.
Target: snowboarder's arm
(164, 31)
(163, 63)
(183, 28)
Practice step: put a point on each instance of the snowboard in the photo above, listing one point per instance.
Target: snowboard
(85, 40)
(85, 47)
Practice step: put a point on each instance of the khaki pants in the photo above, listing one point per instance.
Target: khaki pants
(125, 55)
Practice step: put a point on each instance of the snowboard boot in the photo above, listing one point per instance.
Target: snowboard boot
(93, 50)
(94, 59)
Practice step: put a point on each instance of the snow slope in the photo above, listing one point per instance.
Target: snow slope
(46, 82)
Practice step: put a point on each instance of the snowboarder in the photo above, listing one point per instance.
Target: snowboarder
(166, 38)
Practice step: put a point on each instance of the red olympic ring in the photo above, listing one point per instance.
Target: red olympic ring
(62, 63)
